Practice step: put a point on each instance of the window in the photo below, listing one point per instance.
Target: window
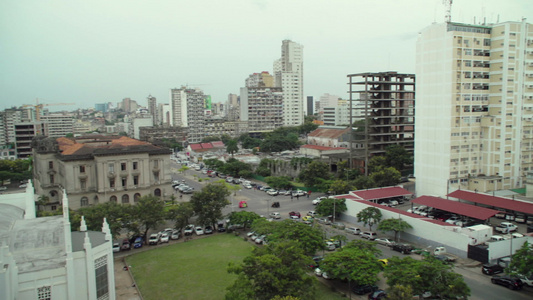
(50, 165)
(135, 164)
(112, 182)
(83, 184)
(102, 282)
(125, 199)
(82, 169)
(44, 293)
(136, 197)
(124, 180)
(123, 166)
(113, 199)
(84, 201)
(51, 179)
(111, 167)
(156, 163)
(135, 180)
(156, 176)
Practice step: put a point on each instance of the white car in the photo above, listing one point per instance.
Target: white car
(164, 238)
(199, 230)
(318, 200)
(275, 215)
(189, 229)
(154, 239)
(250, 233)
(385, 242)
(247, 186)
(318, 272)
(312, 213)
(116, 247)
(353, 230)
(175, 235)
(272, 192)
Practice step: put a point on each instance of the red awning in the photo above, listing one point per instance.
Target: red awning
(456, 207)
(498, 202)
(381, 193)
(405, 213)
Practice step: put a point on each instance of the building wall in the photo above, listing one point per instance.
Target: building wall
(288, 74)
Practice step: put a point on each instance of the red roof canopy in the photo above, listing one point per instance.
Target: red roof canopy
(405, 213)
(456, 207)
(499, 202)
(381, 193)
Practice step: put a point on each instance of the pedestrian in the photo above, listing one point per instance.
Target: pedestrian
(297, 196)
(291, 196)
(308, 193)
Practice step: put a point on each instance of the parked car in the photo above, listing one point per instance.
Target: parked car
(116, 247)
(138, 242)
(364, 289)
(318, 272)
(500, 214)
(272, 192)
(248, 186)
(154, 239)
(338, 225)
(376, 295)
(24, 185)
(520, 219)
(295, 214)
(175, 235)
(275, 215)
(125, 245)
(260, 239)
(312, 213)
(3, 188)
(208, 230)
(385, 242)
(330, 246)
(510, 282)
(369, 235)
(324, 221)
(199, 230)
(189, 190)
(164, 238)
(220, 227)
(445, 258)
(317, 200)
(506, 227)
(189, 229)
(353, 230)
(489, 269)
(316, 261)
(402, 248)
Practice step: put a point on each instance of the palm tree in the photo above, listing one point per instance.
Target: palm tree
(232, 147)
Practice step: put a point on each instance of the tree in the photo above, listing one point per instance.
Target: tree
(263, 171)
(396, 225)
(248, 142)
(213, 163)
(340, 186)
(42, 201)
(180, 214)
(209, 202)
(310, 239)
(352, 264)
(232, 147)
(397, 157)
(246, 218)
(386, 177)
(364, 182)
(369, 216)
(376, 163)
(94, 216)
(183, 169)
(233, 167)
(400, 292)
(428, 275)
(149, 212)
(522, 261)
(307, 127)
(275, 270)
(364, 245)
(279, 182)
(313, 172)
(329, 206)
(282, 138)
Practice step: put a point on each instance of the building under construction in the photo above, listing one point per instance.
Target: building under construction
(385, 103)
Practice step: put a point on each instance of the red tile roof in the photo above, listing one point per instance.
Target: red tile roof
(218, 144)
(456, 207)
(206, 145)
(322, 148)
(330, 133)
(381, 193)
(195, 146)
(498, 202)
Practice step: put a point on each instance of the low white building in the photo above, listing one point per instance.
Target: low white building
(43, 259)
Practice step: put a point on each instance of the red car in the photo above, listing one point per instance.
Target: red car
(295, 215)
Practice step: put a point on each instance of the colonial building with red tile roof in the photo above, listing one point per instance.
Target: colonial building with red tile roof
(96, 169)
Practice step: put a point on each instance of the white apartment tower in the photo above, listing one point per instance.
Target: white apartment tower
(188, 110)
(288, 74)
(474, 107)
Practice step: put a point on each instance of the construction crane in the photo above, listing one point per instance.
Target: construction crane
(448, 16)
(39, 106)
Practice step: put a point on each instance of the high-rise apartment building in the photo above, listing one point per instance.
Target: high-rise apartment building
(261, 103)
(233, 108)
(474, 107)
(58, 125)
(328, 100)
(310, 106)
(188, 110)
(288, 74)
(152, 108)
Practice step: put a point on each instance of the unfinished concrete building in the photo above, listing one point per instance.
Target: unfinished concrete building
(387, 104)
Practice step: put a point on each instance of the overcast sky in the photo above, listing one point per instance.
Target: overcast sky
(94, 51)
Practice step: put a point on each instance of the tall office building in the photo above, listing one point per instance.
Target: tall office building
(187, 108)
(232, 107)
(474, 107)
(152, 108)
(261, 103)
(288, 74)
(310, 106)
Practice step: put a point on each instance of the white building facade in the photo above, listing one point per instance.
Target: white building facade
(288, 74)
(187, 108)
(474, 108)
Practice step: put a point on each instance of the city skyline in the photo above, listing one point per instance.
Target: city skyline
(95, 52)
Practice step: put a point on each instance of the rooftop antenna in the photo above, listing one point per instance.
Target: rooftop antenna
(448, 16)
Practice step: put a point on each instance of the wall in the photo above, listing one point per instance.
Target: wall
(424, 234)
(504, 248)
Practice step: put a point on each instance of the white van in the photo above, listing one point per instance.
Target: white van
(369, 235)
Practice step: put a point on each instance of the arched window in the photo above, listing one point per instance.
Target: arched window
(84, 201)
(113, 199)
(96, 199)
(157, 192)
(136, 197)
(125, 199)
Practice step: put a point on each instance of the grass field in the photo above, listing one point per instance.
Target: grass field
(194, 270)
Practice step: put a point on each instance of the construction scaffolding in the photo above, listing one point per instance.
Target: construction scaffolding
(384, 113)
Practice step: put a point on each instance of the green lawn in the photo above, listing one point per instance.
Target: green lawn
(195, 269)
